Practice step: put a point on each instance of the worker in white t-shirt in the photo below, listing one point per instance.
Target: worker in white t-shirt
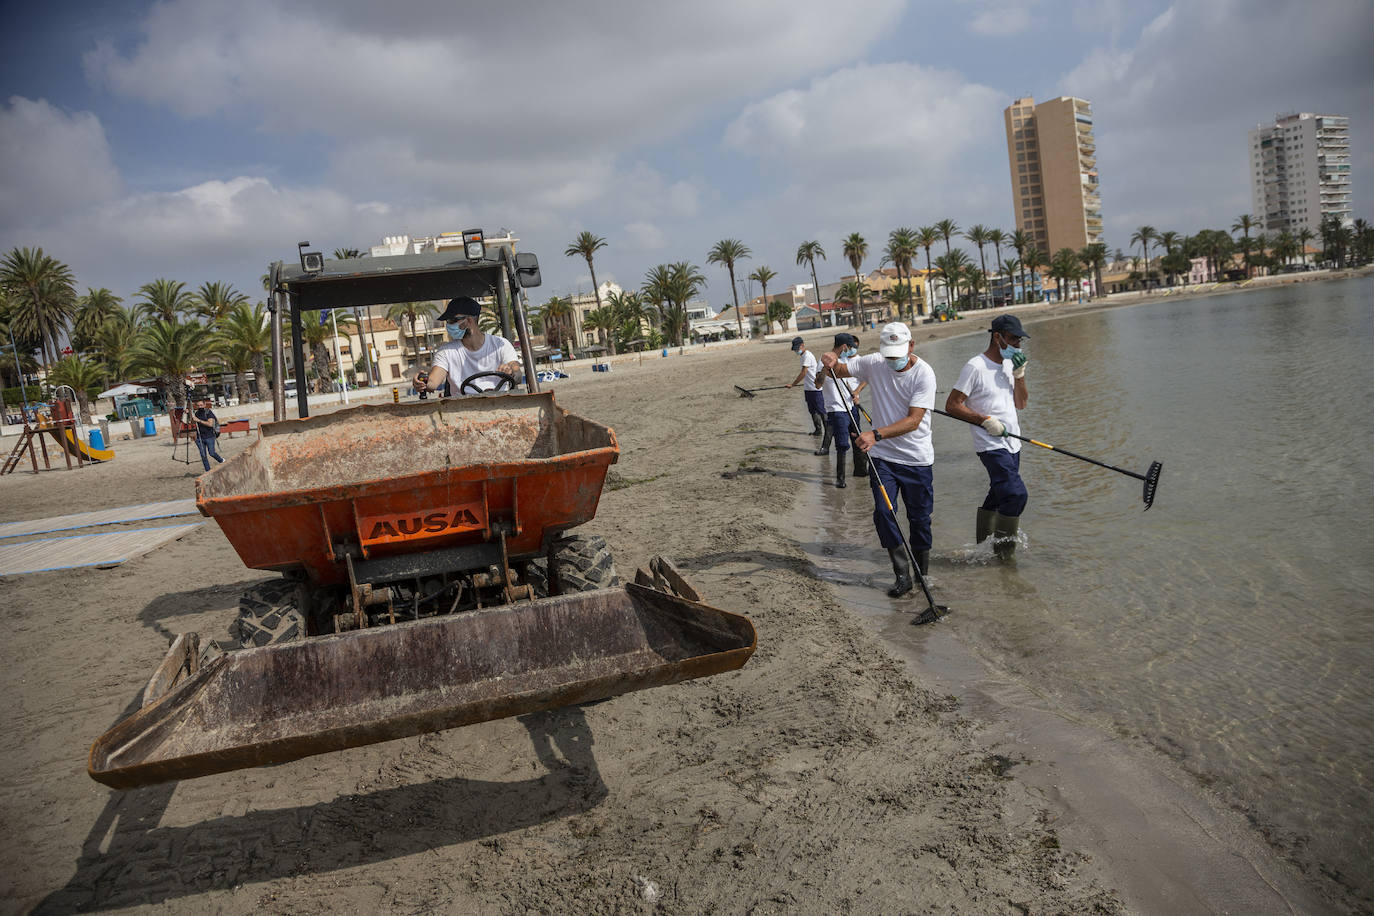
(837, 425)
(898, 446)
(469, 351)
(815, 404)
(990, 390)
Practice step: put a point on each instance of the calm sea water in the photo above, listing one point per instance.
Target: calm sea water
(1232, 625)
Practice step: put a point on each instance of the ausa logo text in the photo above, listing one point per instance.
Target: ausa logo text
(381, 529)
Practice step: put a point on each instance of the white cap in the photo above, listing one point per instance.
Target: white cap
(893, 339)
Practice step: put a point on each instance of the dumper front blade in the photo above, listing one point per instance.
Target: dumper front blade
(278, 703)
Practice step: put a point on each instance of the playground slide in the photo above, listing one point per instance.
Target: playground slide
(77, 447)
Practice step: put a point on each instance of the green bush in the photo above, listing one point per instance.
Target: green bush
(34, 394)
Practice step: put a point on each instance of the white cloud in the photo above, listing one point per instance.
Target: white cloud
(52, 162)
(1001, 21)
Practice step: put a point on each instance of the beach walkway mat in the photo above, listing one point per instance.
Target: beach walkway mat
(141, 512)
(105, 550)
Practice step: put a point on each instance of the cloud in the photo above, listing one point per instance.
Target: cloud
(1001, 21)
(52, 162)
(642, 236)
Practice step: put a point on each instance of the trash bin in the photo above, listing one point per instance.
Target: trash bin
(96, 440)
(149, 426)
(136, 428)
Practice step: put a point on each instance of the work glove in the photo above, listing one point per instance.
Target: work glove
(1018, 365)
(994, 426)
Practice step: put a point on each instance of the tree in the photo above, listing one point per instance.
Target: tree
(808, 252)
(901, 250)
(1243, 224)
(927, 236)
(171, 350)
(779, 310)
(603, 320)
(214, 300)
(345, 254)
(1022, 242)
(585, 246)
(763, 275)
(1065, 270)
(852, 292)
(1031, 262)
(947, 228)
(165, 299)
(727, 252)
(855, 250)
(246, 330)
(974, 280)
(82, 375)
(670, 287)
(978, 235)
(952, 267)
(1305, 235)
(1093, 257)
(897, 295)
(411, 312)
(997, 237)
(117, 341)
(41, 295)
(1144, 236)
(630, 313)
(1013, 267)
(318, 330)
(92, 310)
(556, 314)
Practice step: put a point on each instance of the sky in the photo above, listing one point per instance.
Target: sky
(199, 141)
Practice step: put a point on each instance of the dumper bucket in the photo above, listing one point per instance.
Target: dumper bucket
(263, 706)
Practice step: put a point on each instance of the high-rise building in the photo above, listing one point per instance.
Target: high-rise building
(1300, 172)
(1053, 159)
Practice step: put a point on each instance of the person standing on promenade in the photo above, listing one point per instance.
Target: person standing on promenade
(898, 447)
(815, 403)
(990, 390)
(837, 425)
(207, 431)
(469, 351)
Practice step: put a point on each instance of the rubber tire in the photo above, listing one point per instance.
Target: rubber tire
(269, 614)
(584, 565)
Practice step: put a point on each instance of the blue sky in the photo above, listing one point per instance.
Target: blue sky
(200, 140)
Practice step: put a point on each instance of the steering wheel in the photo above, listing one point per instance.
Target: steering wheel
(502, 379)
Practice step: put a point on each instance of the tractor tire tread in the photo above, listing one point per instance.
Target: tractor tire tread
(269, 614)
(584, 564)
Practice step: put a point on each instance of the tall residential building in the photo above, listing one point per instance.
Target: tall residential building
(1053, 160)
(1300, 171)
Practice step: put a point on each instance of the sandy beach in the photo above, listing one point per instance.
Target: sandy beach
(821, 778)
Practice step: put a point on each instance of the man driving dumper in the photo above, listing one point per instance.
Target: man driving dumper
(468, 352)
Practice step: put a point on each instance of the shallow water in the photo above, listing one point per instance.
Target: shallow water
(1232, 625)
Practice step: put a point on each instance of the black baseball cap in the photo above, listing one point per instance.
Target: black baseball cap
(797, 344)
(457, 308)
(1009, 325)
(844, 339)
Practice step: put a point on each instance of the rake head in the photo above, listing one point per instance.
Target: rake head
(1151, 483)
(930, 615)
(744, 392)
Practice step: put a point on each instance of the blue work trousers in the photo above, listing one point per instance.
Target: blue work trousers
(909, 484)
(205, 446)
(1006, 493)
(841, 429)
(815, 402)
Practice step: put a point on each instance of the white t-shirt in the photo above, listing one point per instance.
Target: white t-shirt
(460, 362)
(808, 361)
(832, 396)
(987, 388)
(894, 394)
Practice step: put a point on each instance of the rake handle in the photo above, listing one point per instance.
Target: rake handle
(1063, 451)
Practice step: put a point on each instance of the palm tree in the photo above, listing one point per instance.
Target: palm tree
(628, 308)
(246, 330)
(685, 281)
(997, 237)
(165, 299)
(344, 254)
(974, 280)
(1144, 235)
(92, 310)
(947, 228)
(42, 297)
(1065, 269)
(657, 280)
(852, 292)
(317, 330)
(727, 252)
(604, 321)
(171, 350)
(117, 341)
(1013, 267)
(82, 376)
(1031, 262)
(556, 315)
(1022, 242)
(952, 267)
(855, 250)
(214, 300)
(1244, 223)
(763, 275)
(779, 310)
(411, 312)
(1093, 257)
(901, 250)
(1305, 235)
(897, 296)
(927, 236)
(808, 252)
(978, 235)
(585, 246)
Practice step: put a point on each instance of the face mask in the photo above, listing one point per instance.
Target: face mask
(851, 352)
(1009, 352)
(897, 363)
(456, 331)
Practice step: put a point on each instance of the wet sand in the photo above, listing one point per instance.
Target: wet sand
(829, 775)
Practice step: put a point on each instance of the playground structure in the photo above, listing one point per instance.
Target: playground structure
(61, 424)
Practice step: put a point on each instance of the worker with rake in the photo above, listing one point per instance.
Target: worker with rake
(811, 390)
(837, 423)
(901, 456)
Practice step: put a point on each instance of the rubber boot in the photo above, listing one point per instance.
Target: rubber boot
(923, 562)
(825, 443)
(1004, 530)
(901, 566)
(816, 422)
(984, 524)
(860, 463)
(839, 470)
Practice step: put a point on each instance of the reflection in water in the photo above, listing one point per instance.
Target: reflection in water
(1232, 626)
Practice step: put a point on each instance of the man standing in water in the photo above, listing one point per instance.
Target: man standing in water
(815, 404)
(837, 425)
(901, 456)
(990, 390)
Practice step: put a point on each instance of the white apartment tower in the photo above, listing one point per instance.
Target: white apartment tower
(1300, 171)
